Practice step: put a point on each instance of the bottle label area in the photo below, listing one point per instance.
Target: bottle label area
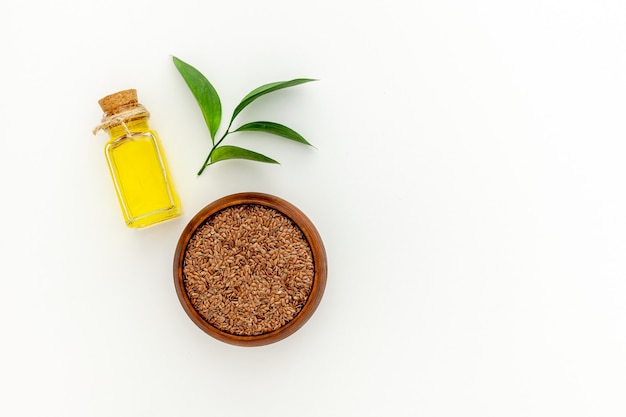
(140, 176)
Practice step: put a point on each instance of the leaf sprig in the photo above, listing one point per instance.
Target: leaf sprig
(211, 107)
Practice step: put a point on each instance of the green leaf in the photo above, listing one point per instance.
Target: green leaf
(266, 89)
(205, 94)
(274, 129)
(225, 152)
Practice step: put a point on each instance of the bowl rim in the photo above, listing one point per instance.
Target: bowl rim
(310, 233)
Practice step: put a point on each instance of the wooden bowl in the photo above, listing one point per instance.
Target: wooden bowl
(311, 236)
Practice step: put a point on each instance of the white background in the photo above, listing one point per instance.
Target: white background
(468, 183)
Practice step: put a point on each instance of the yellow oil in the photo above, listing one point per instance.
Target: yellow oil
(140, 174)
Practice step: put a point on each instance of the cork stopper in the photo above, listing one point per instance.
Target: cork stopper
(114, 103)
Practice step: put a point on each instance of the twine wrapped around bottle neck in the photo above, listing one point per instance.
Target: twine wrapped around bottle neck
(133, 111)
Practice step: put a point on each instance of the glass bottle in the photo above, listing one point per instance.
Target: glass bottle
(136, 162)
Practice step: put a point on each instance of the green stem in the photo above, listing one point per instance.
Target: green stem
(207, 162)
(208, 158)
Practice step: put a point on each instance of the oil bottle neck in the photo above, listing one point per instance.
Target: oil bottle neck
(133, 126)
